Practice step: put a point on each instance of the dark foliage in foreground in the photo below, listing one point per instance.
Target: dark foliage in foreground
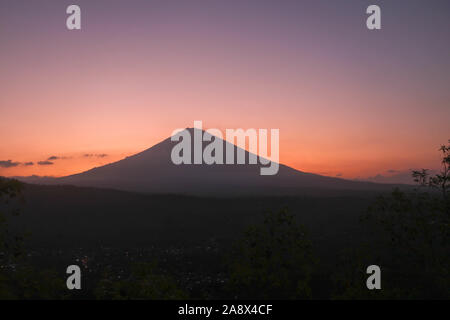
(405, 232)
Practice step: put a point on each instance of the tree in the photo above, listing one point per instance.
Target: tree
(415, 227)
(18, 280)
(272, 261)
(441, 180)
(10, 244)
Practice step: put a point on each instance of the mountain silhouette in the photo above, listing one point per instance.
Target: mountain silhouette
(152, 171)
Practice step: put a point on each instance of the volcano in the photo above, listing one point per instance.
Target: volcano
(152, 171)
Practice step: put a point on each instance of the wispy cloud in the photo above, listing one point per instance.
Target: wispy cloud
(393, 176)
(52, 158)
(97, 155)
(45, 163)
(30, 163)
(393, 171)
(8, 164)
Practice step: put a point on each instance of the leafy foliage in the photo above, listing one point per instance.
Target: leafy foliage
(10, 244)
(441, 180)
(273, 260)
(410, 240)
(17, 279)
(416, 227)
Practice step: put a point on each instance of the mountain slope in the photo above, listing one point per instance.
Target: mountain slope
(152, 171)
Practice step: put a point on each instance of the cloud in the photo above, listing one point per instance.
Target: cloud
(45, 163)
(90, 155)
(56, 158)
(30, 163)
(339, 175)
(8, 164)
(394, 176)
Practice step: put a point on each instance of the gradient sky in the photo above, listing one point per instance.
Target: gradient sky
(348, 101)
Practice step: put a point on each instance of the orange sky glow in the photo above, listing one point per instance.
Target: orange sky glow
(347, 102)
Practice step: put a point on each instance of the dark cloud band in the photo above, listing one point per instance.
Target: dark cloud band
(45, 163)
(8, 164)
(99, 155)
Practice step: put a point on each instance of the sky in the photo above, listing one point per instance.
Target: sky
(348, 101)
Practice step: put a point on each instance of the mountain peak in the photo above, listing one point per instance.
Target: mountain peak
(152, 171)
